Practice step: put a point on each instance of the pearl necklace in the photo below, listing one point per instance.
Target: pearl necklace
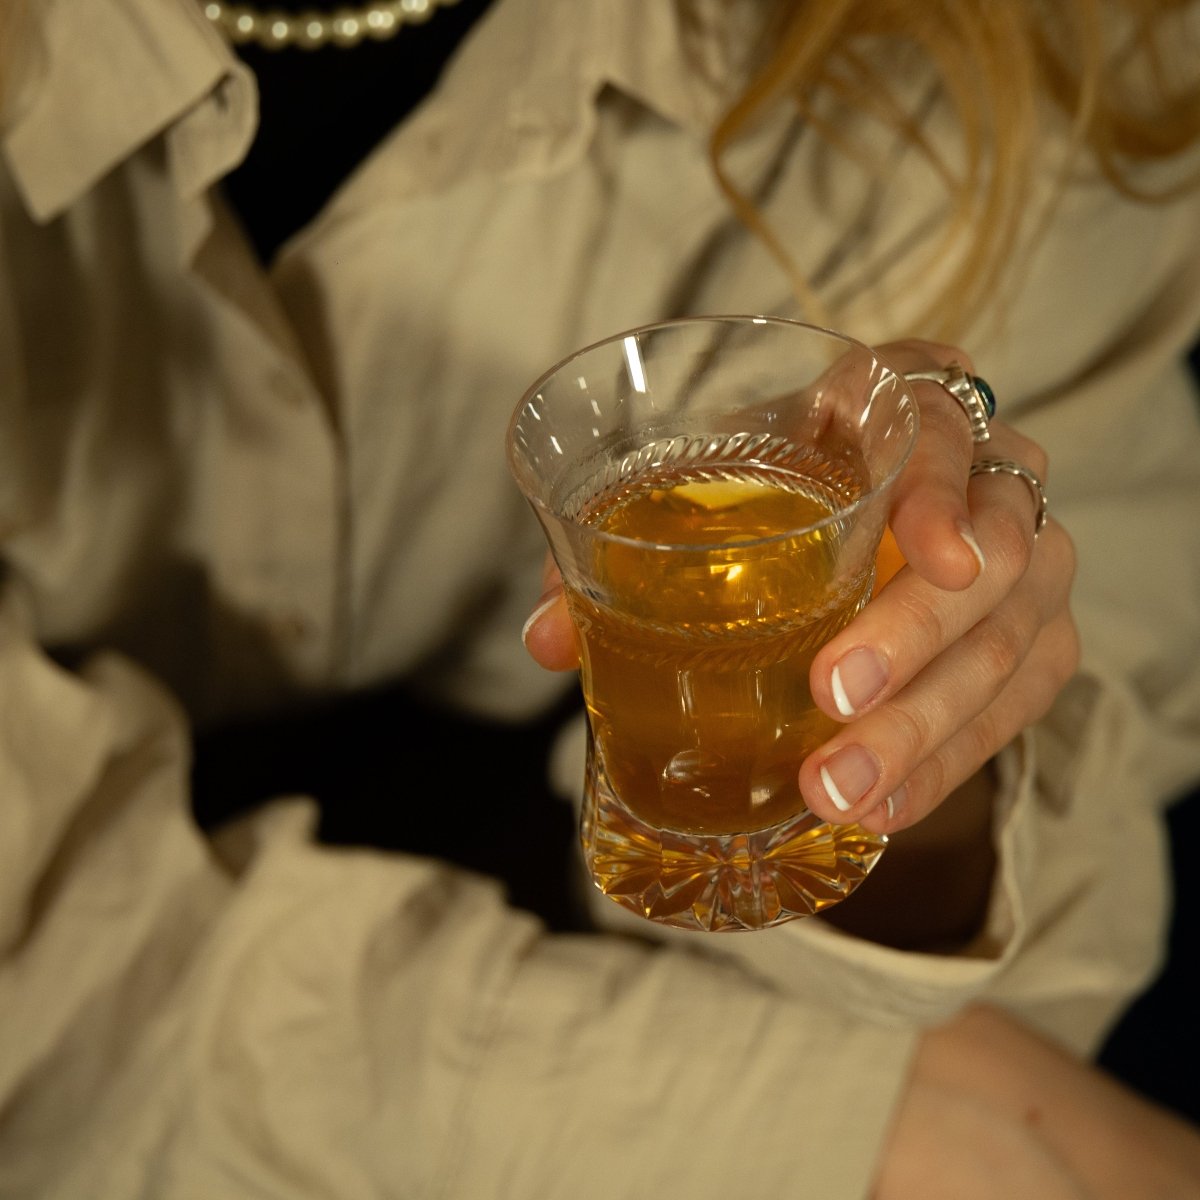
(276, 30)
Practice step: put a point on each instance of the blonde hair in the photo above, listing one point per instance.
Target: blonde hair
(996, 64)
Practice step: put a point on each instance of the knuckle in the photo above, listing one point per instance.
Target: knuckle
(985, 737)
(1050, 670)
(926, 787)
(1002, 648)
(910, 729)
(940, 413)
(1030, 454)
(1010, 543)
(1068, 652)
(920, 620)
(941, 779)
(1059, 544)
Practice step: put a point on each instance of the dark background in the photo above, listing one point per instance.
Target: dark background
(1156, 1047)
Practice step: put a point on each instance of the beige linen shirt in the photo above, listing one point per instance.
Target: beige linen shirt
(223, 487)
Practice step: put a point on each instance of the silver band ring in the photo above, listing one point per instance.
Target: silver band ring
(973, 394)
(1006, 466)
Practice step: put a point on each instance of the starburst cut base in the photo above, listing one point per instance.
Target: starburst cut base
(721, 882)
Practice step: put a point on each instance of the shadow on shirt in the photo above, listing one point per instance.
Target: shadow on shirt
(391, 772)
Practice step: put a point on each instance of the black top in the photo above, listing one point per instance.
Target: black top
(323, 111)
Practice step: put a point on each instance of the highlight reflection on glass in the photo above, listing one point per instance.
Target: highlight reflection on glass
(711, 541)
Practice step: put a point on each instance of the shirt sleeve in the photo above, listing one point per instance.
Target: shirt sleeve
(1075, 926)
(255, 1014)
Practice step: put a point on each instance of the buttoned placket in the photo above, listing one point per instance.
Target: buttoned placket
(277, 499)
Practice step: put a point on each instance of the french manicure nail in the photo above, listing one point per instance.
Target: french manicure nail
(856, 679)
(545, 604)
(896, 801)
(967, 533)
(849, 775)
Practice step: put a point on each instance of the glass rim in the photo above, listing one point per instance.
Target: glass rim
(841, 513)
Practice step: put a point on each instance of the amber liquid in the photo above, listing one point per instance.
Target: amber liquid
(695, 662)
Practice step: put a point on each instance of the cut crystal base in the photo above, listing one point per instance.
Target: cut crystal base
(721, 882)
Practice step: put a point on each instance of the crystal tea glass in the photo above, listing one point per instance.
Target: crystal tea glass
(713, 491)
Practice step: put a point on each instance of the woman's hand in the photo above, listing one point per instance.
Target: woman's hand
(966, 646)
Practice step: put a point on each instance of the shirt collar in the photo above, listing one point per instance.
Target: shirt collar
(145, 66)
(686, 68)
(109, 76)
(519, 99)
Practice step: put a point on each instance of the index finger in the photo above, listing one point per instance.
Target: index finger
(548, 634)
(930, 517)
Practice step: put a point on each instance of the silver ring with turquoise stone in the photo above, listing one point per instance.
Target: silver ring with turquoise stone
(973, 394)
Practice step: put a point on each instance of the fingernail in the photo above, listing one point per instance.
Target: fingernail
(856, 679)
(545, 604)
(849, 775)
(896, 801)
(967, 533)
